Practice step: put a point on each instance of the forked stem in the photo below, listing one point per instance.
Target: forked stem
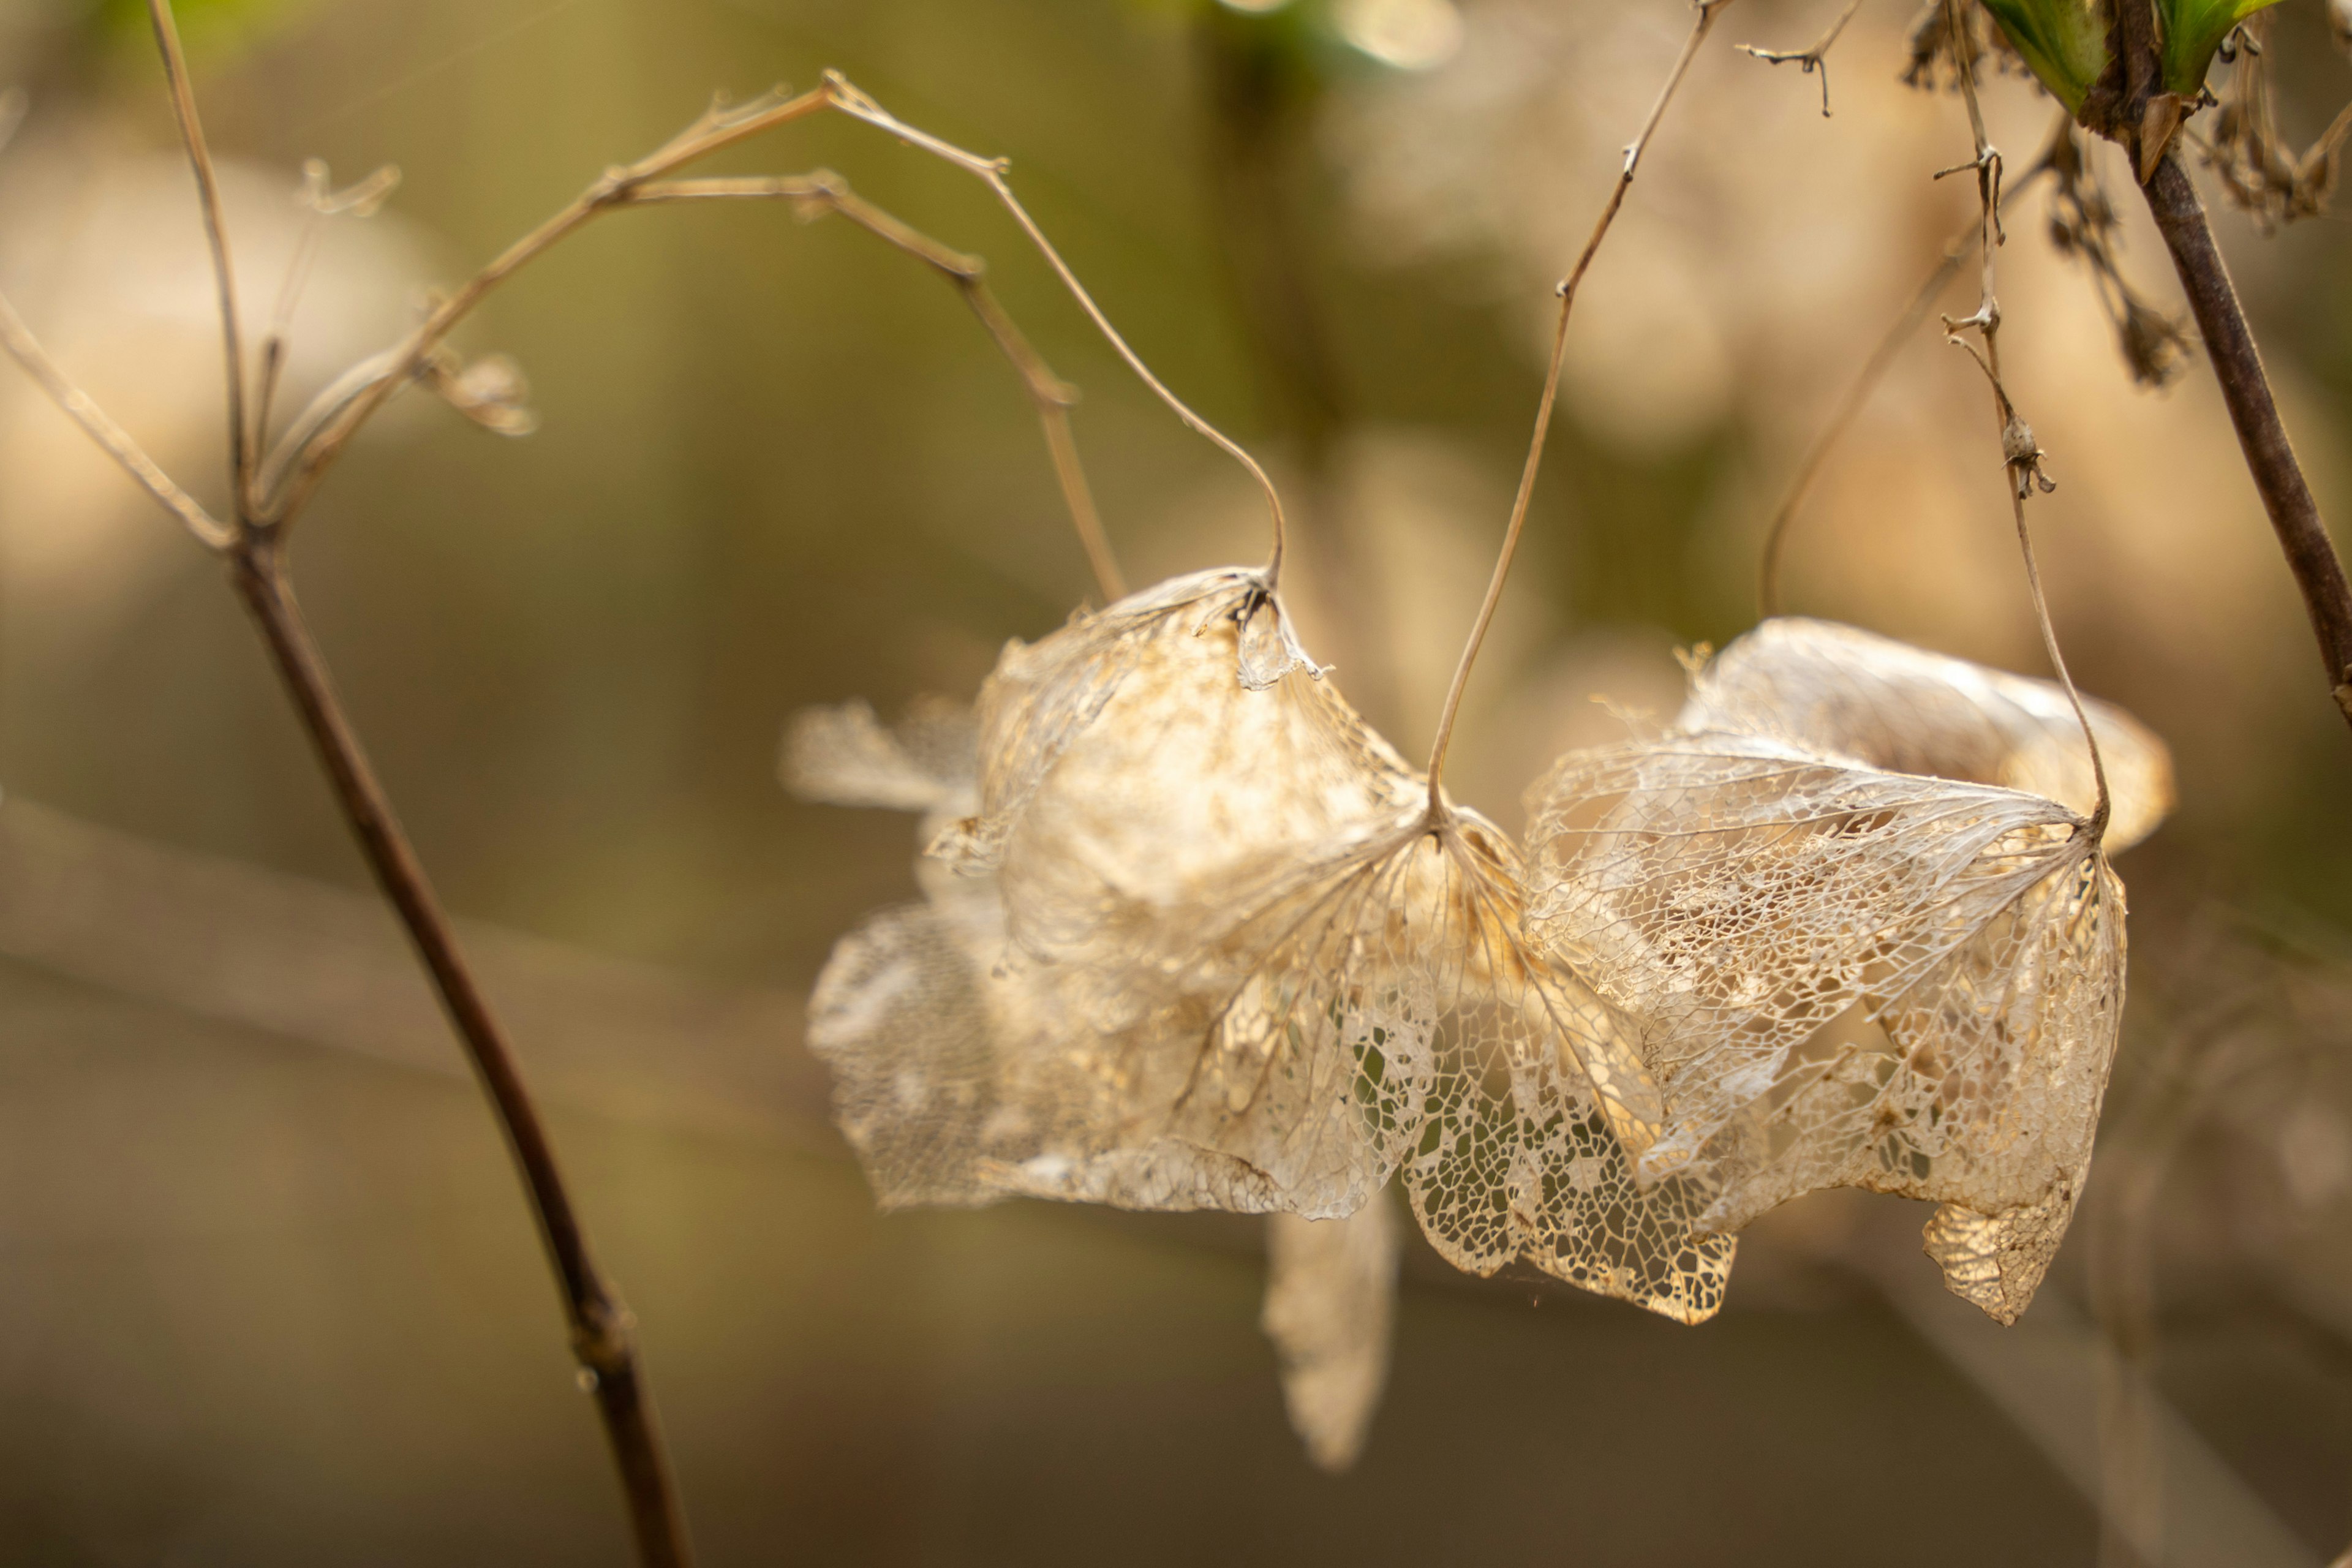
(1812, 60)
(1857, 395)
(602, 1340)
(1707, 11)
(318, 436)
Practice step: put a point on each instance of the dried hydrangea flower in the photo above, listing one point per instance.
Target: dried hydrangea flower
(1264, 942)
(894, 1016)
(1846, 976)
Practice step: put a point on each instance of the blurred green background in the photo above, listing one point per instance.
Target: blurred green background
(265, 1298)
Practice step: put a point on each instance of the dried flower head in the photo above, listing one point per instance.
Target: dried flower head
(1845, 972)
(1245, 964)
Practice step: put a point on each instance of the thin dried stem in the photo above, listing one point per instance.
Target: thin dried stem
(1809, 60)
(821, 192)
(241, 439)
(601, 1336)
(27, 350)
(2019, 455)
(1849, 405)
(2106, 807)
(1707, 11)
(990, 172)
(300, 459)
(319, 435)
(325, 204)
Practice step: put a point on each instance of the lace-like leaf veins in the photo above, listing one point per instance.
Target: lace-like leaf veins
(1846, 976)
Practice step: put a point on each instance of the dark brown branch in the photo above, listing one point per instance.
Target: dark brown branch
(601, 1336)
(2270, 456)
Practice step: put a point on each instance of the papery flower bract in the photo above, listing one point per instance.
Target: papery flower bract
(1851, 693)
(1247, 965)
(1843, 975)
(1330, 1299)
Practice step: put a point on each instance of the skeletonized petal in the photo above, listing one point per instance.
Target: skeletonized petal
(1846, 977)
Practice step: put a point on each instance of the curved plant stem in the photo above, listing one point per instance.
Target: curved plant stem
(821, 192)
(1865, 381)
(301, 458)
(2253, 412)
(2106, 806)
(602, 1327)
(849, 100)
(1707, 11)
(2020, 456)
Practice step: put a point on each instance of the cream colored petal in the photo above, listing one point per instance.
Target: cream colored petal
(1330, 1307)
(1836, 688)
(1846, 977)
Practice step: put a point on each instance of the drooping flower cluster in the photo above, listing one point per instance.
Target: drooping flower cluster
(1214, 945)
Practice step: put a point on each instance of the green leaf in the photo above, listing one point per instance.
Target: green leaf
(2193, 30)
(2064, 41)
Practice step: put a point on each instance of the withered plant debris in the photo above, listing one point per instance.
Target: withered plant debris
(2083, 225)
(2259, 169)
(1930, 64)
(1247, 964)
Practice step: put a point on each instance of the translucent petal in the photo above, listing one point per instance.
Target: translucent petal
(1330, 1303)
(1834, 688)
(1256, 939)
(1846, 977)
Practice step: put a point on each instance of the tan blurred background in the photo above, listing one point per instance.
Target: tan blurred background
(267, 1291)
